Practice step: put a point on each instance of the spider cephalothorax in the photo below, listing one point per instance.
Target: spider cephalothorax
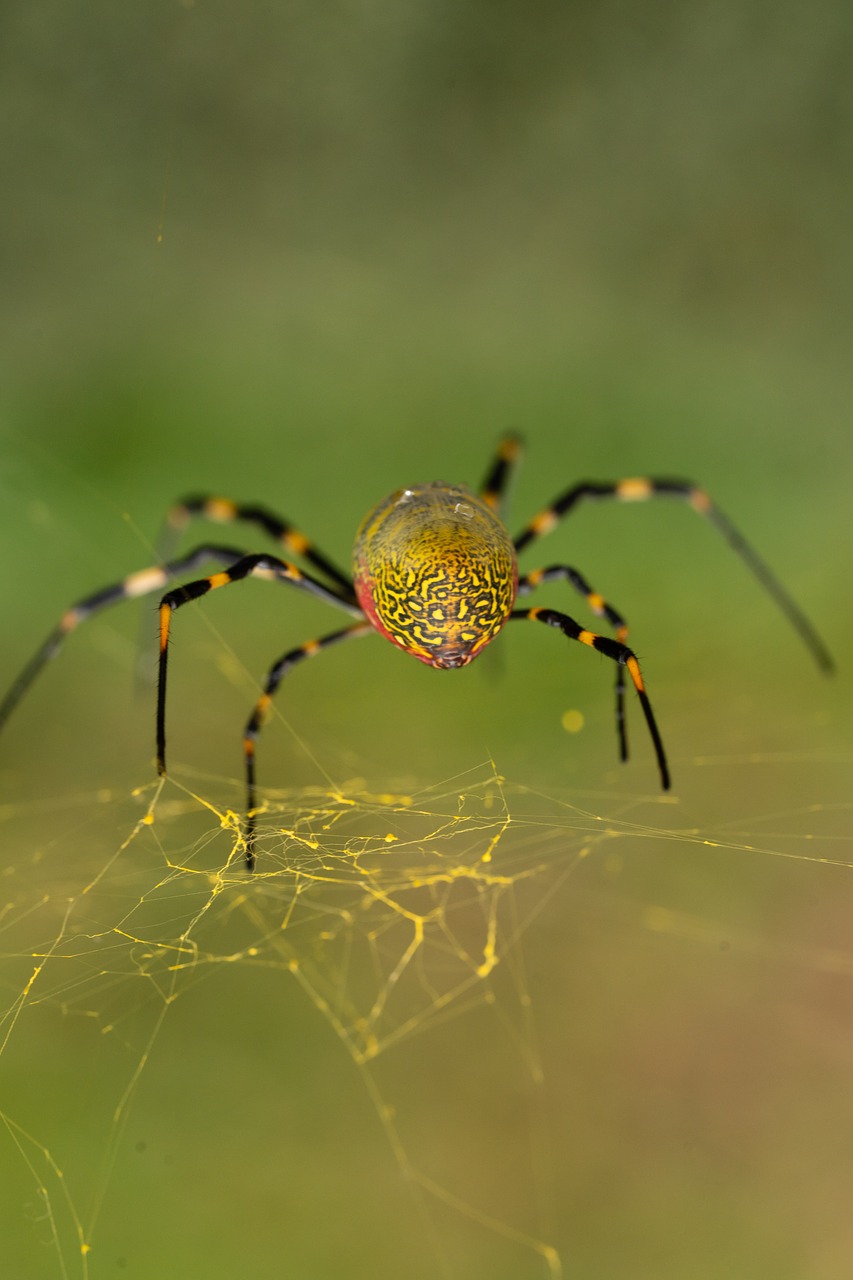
(435, 572)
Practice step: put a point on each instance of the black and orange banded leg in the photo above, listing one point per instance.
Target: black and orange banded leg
(225, 511)
(493, 488)
(256, 720)
(617, 652)
(601, 609)
(142, 583)
(640, 489)
(271, 569)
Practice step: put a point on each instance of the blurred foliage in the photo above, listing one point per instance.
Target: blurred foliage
(422, 176)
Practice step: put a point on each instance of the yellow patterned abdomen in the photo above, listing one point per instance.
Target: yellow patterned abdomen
(435, 572)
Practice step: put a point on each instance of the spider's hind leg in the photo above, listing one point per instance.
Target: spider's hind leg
(600, 607)
(617, 652)
(261, 708)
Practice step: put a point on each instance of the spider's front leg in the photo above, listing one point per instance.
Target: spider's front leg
(617, 652)
(494, 486)
(644, 488)
(221, 510)
(601, 609)
(142, 583)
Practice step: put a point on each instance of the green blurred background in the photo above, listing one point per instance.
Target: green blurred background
(305, 254)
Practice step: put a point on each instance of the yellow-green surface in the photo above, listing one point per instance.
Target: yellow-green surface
(306, 254)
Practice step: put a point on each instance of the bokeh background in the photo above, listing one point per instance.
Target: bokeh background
(305, 254)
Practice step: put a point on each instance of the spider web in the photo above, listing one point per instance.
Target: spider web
(402, 923)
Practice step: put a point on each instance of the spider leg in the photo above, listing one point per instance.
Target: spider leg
(136, 584)
(641, 489)
(224, 511)
(259, 713)
(618, 652)
(267, 567)
(494, 486)
(601, 609)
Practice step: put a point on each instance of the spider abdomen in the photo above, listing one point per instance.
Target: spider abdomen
(435, 572)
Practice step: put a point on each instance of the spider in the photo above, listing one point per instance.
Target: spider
(435, 572)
